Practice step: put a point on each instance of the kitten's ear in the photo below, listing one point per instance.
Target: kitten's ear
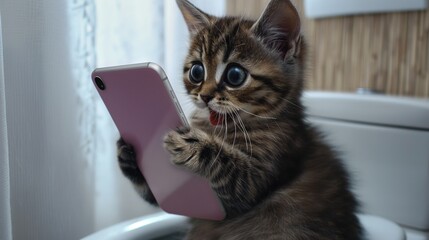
(279, 28)
(194, 17)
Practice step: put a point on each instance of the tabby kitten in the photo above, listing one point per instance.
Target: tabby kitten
(275, 176)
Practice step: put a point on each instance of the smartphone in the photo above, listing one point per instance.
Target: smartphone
(144, 108)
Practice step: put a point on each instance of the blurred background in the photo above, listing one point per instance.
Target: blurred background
(388, 52)
(58, 174)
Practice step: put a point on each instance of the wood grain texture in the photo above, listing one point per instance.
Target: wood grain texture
(388, 52)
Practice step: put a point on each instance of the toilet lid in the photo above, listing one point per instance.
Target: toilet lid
(379, 228)
(370, 109)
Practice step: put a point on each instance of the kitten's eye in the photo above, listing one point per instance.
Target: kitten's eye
(196, 74)
(235, 76)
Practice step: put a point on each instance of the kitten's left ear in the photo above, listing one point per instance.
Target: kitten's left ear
(194, 17)
(279, 28)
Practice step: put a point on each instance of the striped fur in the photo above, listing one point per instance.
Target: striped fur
(274, 174)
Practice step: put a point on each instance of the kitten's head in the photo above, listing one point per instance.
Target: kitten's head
(237, 66)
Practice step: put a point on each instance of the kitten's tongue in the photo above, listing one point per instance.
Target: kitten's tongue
(216, 118)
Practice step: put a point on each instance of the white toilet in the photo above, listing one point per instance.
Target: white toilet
(384, 142)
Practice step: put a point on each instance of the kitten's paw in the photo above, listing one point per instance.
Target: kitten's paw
(127, 162)
(185, 145)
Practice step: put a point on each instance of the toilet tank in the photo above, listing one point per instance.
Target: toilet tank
(384, 142)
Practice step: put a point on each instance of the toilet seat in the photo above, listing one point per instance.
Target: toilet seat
(380, 228)
(161, 224)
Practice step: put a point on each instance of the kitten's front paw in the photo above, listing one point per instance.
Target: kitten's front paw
(185, 145)
(127, 162)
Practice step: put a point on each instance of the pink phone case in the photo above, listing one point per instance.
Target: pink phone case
(139, 99)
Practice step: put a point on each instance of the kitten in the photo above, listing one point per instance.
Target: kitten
(275, 176)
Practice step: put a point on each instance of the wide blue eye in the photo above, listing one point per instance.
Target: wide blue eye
(196, 74)
(235, 76)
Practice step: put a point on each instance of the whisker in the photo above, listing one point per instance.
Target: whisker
(216, 127)
(240, 125)
(255, 115)
(246, 133)
(235, 129)
(248, 136)
(290, 102)
(223, 141)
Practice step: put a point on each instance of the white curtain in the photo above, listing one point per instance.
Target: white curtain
(5, 220)
(58, 174)
(51, 189)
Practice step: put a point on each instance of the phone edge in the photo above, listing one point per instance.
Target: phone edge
(171, 92)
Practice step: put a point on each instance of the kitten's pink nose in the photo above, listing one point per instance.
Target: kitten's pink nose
(206, 98)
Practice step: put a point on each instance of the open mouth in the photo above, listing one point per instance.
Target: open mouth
(216, 118)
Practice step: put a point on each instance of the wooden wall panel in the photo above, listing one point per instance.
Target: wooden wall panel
(388, 52)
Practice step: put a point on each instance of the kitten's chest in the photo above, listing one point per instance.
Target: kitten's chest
(207, 230)
(226, 230)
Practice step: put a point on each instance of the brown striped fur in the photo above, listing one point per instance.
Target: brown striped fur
(275, 176)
